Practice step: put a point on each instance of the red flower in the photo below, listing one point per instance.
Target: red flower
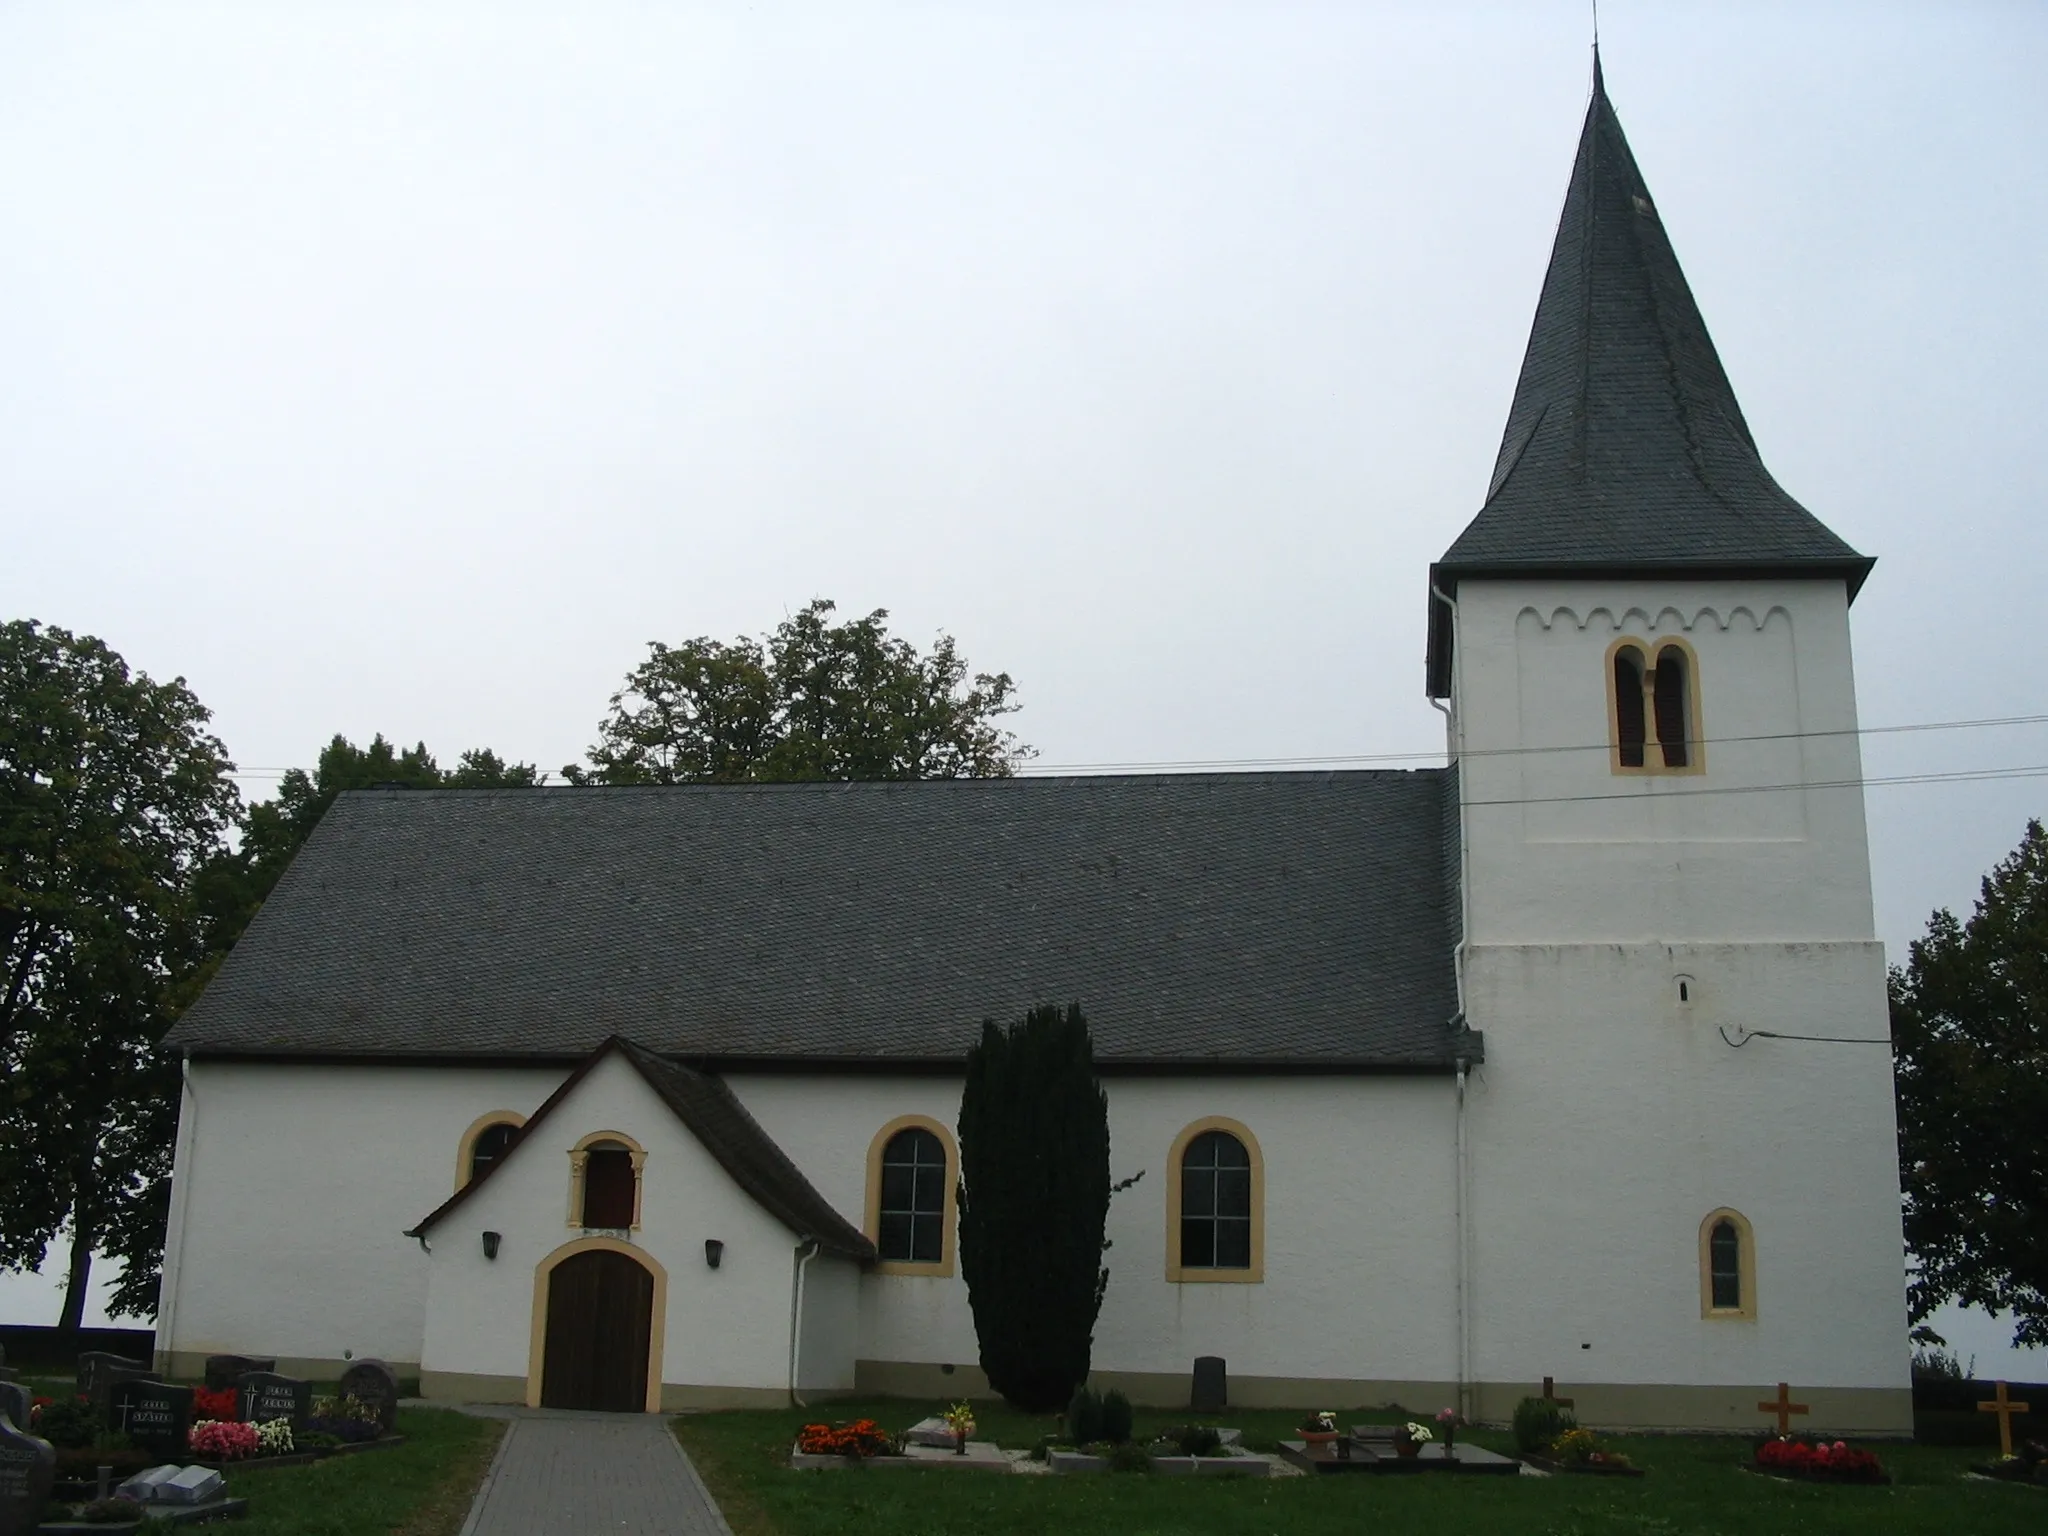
(214, 1403)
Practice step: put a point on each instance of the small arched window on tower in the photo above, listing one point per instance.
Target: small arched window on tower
(1654, 707)
(1727, 1266)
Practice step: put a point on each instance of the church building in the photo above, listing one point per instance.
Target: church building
(1443, 1081)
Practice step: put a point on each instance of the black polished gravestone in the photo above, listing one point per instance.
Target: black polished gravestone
(15, 1403)
(264, 1396)
(27, 1468)
(99, 1374)
(1211, 1390)
(156, 1415)
(376, 1384)
(223, 1371)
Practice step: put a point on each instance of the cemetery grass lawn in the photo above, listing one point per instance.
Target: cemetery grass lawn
(421, 1488)
(1695, 1488)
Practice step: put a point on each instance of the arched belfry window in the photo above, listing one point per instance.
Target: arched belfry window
(1653, 707)
(913, 1174)
(1215, 1204)
(1628, 706)
(1727, 1266)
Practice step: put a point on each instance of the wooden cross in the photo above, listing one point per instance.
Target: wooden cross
(2005, 1409)
(1550, 1396)
(1784, 1408)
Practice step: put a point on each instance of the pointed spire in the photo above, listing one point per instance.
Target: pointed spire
(1625, 450)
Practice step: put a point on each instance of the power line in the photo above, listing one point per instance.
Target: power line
(1341, 758)
(1603, 746)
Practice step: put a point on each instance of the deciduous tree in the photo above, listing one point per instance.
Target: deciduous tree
(1034, 1167)
(1970, 1035)
(112, 796)
(813, 700)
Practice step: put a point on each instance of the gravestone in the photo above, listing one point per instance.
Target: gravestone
(265, 1395)
(6, 1374)
(224, 1371)
(376, 1384)
(156, 1415)
(14, 1403)
(27, 1468)
(1211, 1390)
(99, 1374)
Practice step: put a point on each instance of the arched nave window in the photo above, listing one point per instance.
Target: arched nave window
(913, 1175)
(1215, 1204)
(484, 1143)
(1654, 707)
(1727, 1266)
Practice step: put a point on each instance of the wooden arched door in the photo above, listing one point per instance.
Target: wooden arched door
(600, 1317)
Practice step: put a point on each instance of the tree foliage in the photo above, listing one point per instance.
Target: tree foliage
(112, 797)
(1970, 1033)
(1034, 1165)
(813, 700)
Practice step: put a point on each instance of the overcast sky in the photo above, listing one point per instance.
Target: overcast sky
(407, 368)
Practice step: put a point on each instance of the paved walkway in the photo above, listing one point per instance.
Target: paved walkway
(590, 1474)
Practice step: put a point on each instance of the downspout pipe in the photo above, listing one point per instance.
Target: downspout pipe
(806, 1250)
(1454, 724)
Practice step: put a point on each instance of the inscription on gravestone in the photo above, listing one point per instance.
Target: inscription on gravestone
(266, 1396)
(27, 1468)
(223, 1371)
(154, 1414)
(375, 1383)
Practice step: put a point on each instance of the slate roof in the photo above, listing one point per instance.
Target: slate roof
(707, 1107)
(1292, 919)
(1625, 450)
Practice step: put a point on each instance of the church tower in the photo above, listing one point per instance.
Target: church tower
(1644, 645)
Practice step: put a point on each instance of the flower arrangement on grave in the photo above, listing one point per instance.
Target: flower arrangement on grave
(856, 1441)
(68, 1424)
(222, 1440)
(1802, 1456)
(960, 1419)
(1582, 1448)
(346, 1420)
(2027, 1464)
(1411, 1438)
(215, 1402)
(274, 1437)
(1538, 1423)
(117, 1510)
(1319, 1428)
(1449, 1420)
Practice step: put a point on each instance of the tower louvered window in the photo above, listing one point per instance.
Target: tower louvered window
(1674, 708)
(1628, 706)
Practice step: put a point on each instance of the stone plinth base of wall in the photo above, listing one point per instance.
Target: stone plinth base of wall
(1870, 1412)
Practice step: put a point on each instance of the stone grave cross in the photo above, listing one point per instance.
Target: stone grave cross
(1784, 1408)
(1550, 1395)
(2005, 1408)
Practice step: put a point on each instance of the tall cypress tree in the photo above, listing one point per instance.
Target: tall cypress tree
(1034, 1160)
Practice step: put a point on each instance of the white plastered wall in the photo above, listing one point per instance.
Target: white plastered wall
(1359, 1196)
(724, 1328)
(293, 1188)
(1610, 1119)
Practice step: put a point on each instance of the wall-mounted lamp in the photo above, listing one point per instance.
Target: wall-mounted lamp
(714, 1250)
(491, 1241)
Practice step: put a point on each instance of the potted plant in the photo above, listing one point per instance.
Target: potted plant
(1448, 1421)
(1319, 1428)
(1413, 1437)
(960, 1419)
